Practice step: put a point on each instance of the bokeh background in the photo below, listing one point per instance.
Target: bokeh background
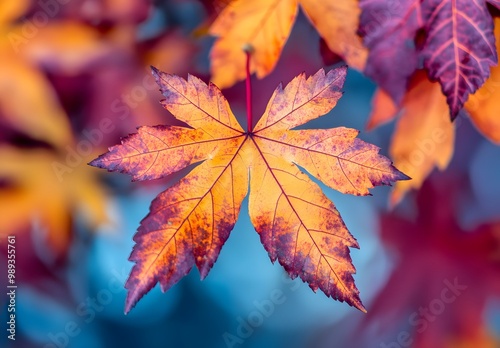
(75, 78)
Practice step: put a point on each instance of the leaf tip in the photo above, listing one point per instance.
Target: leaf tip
(154, 70)
(135, 293)
(402, 176)
(129, 304)
(93, 163)
(355, 302)
(455, 111)
(342, 69)
(136, 286)
(204, 268)
(97, 162)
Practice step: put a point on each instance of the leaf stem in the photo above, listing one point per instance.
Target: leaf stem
(249, 93)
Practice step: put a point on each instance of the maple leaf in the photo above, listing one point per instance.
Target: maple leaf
(423, 139)
(298, 226)
(458, 48)
(266, 25)
(387, 39)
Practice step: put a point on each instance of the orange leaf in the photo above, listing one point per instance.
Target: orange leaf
(25, 91)
(262, 24)
(424, 136)
(483, 104)
(10, 10)
(337, 22)
(66, 44)
(37, 195)
(265, 27)
(29, 103)
(384, 110)
(423, 139)
(189, 222)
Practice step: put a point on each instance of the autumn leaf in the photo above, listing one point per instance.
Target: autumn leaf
(34, 195)
(387, 38)
(337, 22)
(64, 44)
(265, 26)
(10, 10)
(445, 275)
(298, 226)
(24, 92)
(483, 105)
(459, 59)
(25, 89)
(457, 50)
(423, 137)
(383, 109)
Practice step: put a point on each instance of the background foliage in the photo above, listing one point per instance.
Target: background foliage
(75, 78)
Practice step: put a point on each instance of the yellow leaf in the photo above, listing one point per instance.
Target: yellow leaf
(67, 44)
(483, 106)
(337, 22)
(11, 10)
(298, 226)
(29, 103)
(424, 136)
(383, 109)
(263, 25)
(38, 194)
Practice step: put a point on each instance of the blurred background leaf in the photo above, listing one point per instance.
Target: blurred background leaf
(75, 78)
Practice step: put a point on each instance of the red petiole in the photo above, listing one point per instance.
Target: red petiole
(249, 94)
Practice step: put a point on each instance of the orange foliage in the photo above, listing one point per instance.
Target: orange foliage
(44, 181)
(445, 275)
(265, 26)
(189, 222)
(41, 188)
(45, 199)
(483, 105)
(424, 136)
